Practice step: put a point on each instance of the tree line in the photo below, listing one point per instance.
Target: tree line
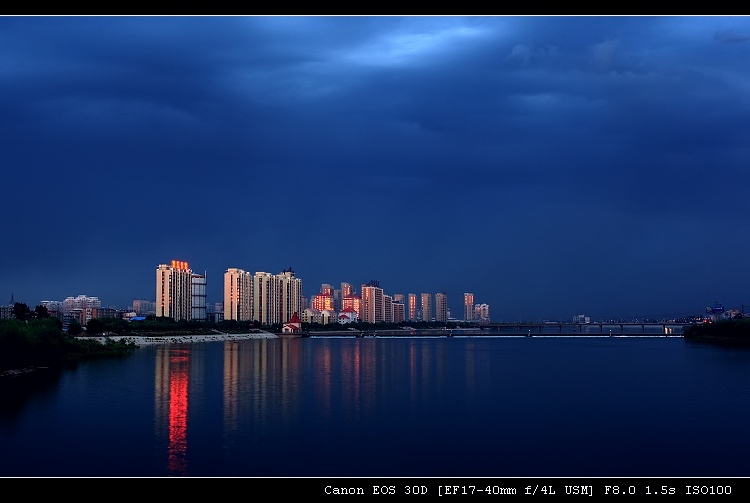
(36, 339)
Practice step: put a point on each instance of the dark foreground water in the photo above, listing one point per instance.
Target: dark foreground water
(391, 407)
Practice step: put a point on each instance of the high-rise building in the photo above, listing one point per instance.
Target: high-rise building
(290, 295)
(468, 306)
(412, 306)
(482, 312)
(198, 294)
(81, 302)
(174, 290)
(238, 294)
(265, 298)
(387, 308)
(398, 311)
(372, 309)
(346, 289)
(340, 295)
(352, 301)
(441, 307)
(143, 307)
(322, 301)
(426, 307)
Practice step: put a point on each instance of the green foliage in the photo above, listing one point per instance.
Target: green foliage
(75, 328)
(21, 311)
(41, 342)
(40, 312)
(95, 326)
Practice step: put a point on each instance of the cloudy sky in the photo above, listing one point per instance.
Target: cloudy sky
(552, 166)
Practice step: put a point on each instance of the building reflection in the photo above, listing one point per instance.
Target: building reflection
(271, 389)
(171, 405)
(260, 384)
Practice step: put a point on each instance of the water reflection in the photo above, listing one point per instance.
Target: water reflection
(310, 407)
(171, 404)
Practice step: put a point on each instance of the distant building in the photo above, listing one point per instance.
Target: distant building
(328, 317)
(238, 295)
(353, 302)
(276, 297)
(372, 309)
(6, 311)
(81, 302)
(399, 311)
(310, 315)
(348, 315)
(143, 307)
(55, 308)
(387, 308)
(482, 312)
(198, 297)
(426, 307)
(265, 298)
(346, 290)
(468, 306)
(215, 312)
(441, 307)
(412, 306)
(322, 301)
(174, 290)
(580, 318)
(290, 295)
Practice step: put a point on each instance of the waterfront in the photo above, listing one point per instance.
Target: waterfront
(391, 406)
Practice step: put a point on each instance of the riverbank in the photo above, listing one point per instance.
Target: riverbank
(181, 339)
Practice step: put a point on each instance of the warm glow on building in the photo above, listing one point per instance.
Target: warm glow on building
(174, 291)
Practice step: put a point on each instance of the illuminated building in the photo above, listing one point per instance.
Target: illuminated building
(346, 290)
(413, 306)
(321, 301)
(372, 309)
(238, 295)
(290, 295)
(482, 312)
(398, 311)
(352, 301)
(387, 308)
(265, 298)
(174, 290)
(426, 307)
(441, 307)
(348, 315)
(468, 306)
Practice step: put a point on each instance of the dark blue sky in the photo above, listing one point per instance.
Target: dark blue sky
(551, 165)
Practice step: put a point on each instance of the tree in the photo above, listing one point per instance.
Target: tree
(41, 312)
(95, 326)
(75, 328)
(21, 311)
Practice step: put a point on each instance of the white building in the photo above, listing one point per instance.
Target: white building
(174, 290)
(238, 295)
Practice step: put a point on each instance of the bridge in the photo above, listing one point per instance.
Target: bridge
(568, 327)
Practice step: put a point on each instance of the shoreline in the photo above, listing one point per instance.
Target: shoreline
(180, 339)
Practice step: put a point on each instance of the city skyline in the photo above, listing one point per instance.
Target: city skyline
(552, 166)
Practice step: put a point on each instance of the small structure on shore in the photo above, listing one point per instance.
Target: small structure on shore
(293, 326)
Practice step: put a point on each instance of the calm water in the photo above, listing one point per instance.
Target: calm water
(461, 406)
